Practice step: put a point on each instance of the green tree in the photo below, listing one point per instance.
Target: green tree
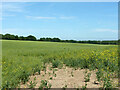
(56, 40)
(1, 36)
(30, 37)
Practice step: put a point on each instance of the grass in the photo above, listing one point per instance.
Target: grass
(28, 57)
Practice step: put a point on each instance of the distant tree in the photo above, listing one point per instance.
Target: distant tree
(30, 37)
(56, 40)
(33, 38)
(16, 37)
(42, 39)
(21, 38)
(62, 40)
(1, 36)
(9, 37)
(48, 39)
(72, 41)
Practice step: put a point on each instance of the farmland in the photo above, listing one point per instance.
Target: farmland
(21, 59)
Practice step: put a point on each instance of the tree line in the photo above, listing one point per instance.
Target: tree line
(33, 38)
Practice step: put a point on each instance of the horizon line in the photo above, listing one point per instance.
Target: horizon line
(65, 39)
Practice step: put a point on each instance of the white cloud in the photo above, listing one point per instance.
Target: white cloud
(39, 17)
(12, 7)
(67, 17)
(9, 15)
(106, 30)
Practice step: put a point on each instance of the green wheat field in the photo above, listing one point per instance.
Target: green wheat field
(20, 59)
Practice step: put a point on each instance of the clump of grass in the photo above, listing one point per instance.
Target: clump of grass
(24, 77)
(32, 84)
(49, 73)
(49, 85)
(56, 64)
(87, 76)
(65, 86)
(50, 68)
(99, 75)
(36, 69)
(44, 84)
(55, 75)
(44, 68)
(72, 73)
(85, 86)
(51, 78)
(54, 71)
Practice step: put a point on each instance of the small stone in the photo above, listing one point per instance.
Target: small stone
(96, 82)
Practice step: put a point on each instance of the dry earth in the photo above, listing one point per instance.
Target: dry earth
(65, 76)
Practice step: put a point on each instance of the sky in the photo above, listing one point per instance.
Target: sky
(65, 20)
(60, 0)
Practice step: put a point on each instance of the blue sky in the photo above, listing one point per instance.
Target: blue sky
(65, 20)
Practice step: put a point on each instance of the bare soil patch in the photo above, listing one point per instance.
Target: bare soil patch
(64, 77)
